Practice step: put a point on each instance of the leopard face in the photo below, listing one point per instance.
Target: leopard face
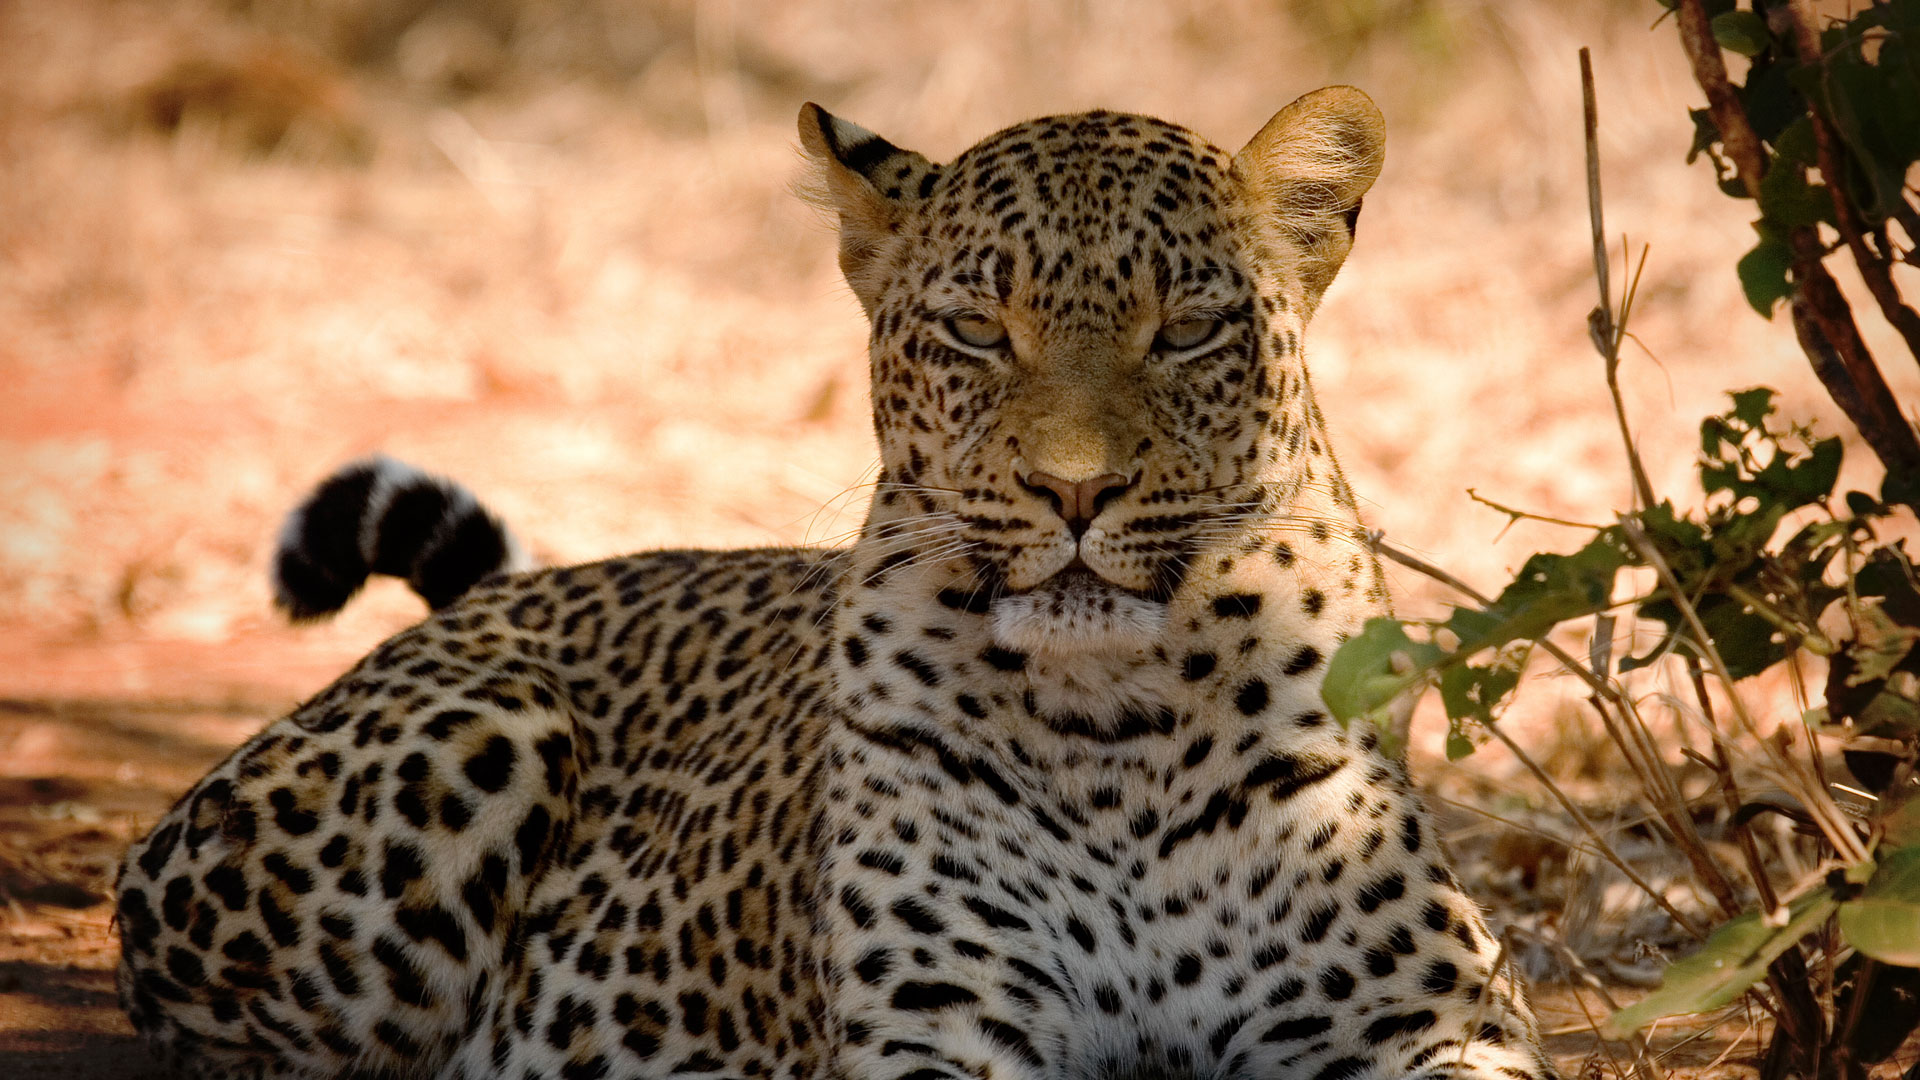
(1086, 359)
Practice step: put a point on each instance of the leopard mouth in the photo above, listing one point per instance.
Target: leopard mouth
(1077, 610)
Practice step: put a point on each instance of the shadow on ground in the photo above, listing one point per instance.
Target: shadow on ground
(79, 781)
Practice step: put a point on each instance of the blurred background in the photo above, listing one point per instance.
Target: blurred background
(547, 247)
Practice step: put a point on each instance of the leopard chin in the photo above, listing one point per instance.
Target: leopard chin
(1077, 612)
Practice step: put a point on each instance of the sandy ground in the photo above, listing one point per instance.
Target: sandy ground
(555, 256)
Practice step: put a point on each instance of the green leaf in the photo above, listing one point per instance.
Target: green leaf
(1549, 589)
(1472, 691)
(1763, 274)
(1889, 574)
(1752, 407)
(1882, 646)
(1458, 744)
(1733, 958)
(1745, 641)
(1903, 824)
(1742, 32)
(1884, 920)
(1705, 136)
(1771, 99)
(1861, 504)
(1876, 109)
(1901, 486)
(1888, 714)
(1363, 675)
(1740, 455)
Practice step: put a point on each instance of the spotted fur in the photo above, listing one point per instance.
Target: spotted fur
(1032, 781)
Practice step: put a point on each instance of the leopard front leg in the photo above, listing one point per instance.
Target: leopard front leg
(1376, 964)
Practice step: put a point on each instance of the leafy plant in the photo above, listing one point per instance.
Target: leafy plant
(1777, 567)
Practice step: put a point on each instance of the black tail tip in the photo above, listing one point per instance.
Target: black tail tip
(383, 516)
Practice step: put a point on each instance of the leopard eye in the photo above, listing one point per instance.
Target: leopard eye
(1187, 334)
(977, 331)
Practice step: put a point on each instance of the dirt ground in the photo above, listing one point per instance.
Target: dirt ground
(547, 246)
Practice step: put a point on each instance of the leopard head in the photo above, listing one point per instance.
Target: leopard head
(1085, 347)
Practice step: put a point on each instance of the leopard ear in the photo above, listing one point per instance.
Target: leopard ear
(869, 183)
(1306, 171)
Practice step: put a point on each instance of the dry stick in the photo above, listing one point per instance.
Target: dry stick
(1586, 826)
(1728, 1052)
(1630, 734)
(1873, 268)
(1527, 515)
(1722, 767)
(1574, 846)
(1643, 1056)
(1411, 562)
(1811, 640)
(1822, 320)
(1605, 330)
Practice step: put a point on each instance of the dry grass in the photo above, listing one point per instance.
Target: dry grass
(547, 247)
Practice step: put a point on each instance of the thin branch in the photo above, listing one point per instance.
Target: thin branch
(1729, 118)
(1873, 268)
(1643, 1056)
(1527, 515)
(1823, 321)
(1600, 841)
(1378, 542)
(1811, 640)
(1594, 215)
(1821, 317)
(1517, 826)
(1722, 766)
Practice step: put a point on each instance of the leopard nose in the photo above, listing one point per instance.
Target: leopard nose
(1078, 501)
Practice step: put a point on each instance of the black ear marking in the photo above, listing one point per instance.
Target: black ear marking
(860, 150)
(1352, 218)
(866, 157)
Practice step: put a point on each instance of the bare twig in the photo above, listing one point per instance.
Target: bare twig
(1722, 767)
(1636, 744)
(1808, 638)
(1594, 834)
(1378, 542)
(1643, 1057)
(1605, 328)
(1527, 515)
(1517, 826)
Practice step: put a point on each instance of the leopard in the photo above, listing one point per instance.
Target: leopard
(1032, 780)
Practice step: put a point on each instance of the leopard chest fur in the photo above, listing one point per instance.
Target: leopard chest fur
(1164, 879)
